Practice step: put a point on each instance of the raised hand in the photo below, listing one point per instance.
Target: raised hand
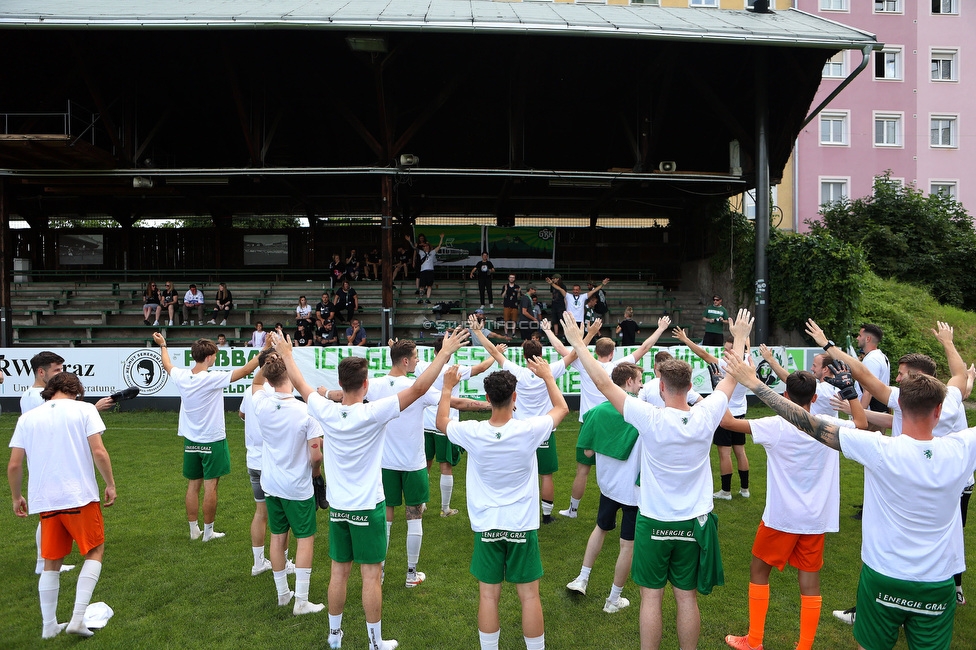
(813, 331)
(539, 367)
(838, 375)
(766, 353)
(943, 333)
(742, 325)
(663, 323)
(451, 378)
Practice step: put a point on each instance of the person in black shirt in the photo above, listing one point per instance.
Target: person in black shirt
(346, 300)
(326, 334)
(301, 338)
(373, 262)
(484, 269)
(510, 304)
(324, 310)
(627, 329)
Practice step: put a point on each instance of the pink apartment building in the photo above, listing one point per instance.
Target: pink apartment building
(911, 110)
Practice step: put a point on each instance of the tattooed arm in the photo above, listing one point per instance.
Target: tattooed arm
(819, 430)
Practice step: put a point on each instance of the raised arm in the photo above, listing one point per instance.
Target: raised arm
(282, 345)
(489, 362)
(552, 283)
(870, 384)
(813, 426)
(439, 244)
(663, 323)
(769, 358)
(452, 343)
(740, 328)
(451, 378)
(245, 370)
(600, 378)
(559, 408)
(163, 353)
(682, 336)
(475, 326)
(957, 367)
(838, 375)
(605, 282)
(465, 404)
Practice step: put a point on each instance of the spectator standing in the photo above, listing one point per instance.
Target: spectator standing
(421, 240)
(715, 317)
(258, 336)
(151, 304)
(510, 304)
(193, 299)
(168, 301)
(428, 257)
(527, 319)
(225, 302)
(346, 300)
(484, 270)
(62, 446)
(558, 302)
(575, 300)
(355, 334)
(627, 329)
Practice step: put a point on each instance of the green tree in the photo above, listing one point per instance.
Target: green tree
(926, 241)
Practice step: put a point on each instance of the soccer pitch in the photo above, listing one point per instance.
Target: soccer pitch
(168, 591)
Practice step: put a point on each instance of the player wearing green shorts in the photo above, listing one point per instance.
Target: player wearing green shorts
(676, 534)
(911, 541)
(354, 434)
(533, 401)
(205, 455)
(502, 469)
(292, 447)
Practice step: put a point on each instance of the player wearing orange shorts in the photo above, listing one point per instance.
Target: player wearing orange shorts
(802, 504)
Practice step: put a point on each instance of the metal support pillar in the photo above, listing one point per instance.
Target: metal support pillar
(386, 237)
(762, 201)
(6, 267)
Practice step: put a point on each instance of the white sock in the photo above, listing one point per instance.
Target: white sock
(302, 578)
(40, 561)
(389, 526)
(615, 592)
(573, 503)
(546, 507)
(207, 531)
(194, 528)
(48, 586)
(447, 490)
(489, 640)
(538, 643)
(87, 579)
(375, 633)
(281, 581)
(415, 537)
(585, 572)
(258, 552)
(335, 623)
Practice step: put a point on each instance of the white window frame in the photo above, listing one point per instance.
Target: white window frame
(952, 184)
(899, 57)
(898, 4)
(953, 130)
(953, 8)
(749, 201)
(945, 54)
(844, 117)
(703, 3)
(834, 180)
(899, 119)
(835, 5)
(842, 55)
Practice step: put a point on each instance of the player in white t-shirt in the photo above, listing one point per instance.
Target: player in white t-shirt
(651, 391)
(502, 493)
(802, 505)
(62, 443)
(952, 417)
(590, 396)
(675, 498)
(292, 447)
(576, 300)
(825, 392)
(911, 542)
(354, 435)
(205, 454)
(46, 365)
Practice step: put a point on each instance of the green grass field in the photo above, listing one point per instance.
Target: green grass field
(170, 592)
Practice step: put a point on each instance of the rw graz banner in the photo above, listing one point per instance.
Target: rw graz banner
(104, 371)
(507, 248)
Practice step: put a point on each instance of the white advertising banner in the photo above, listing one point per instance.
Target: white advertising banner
(104, 371)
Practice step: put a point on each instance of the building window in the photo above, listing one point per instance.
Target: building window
(833, 5)
(944, 65)
(943, 130)
(749, 201)
(834, 67)
(833, 128)
(887, 6)
(945, 6)
(704, 3)
(887, 130)
(887, 64)
(832, 190)
(945, 188)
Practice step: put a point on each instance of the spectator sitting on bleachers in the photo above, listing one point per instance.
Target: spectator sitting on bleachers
(324, 310)
(355, 334)
(279, 330)
(326, 334)
(302, 337)
(373, 263)
(353, 268)
(192, 298)
(169, 299)
(480, 315)
(402, 259)
(151, 303)
(303, 312)
(258, 336)
(225, 302)
(222, 341)
(627, 329)
(336, 270)
(346, 301)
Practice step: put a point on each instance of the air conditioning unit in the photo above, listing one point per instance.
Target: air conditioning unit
(667, 166)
